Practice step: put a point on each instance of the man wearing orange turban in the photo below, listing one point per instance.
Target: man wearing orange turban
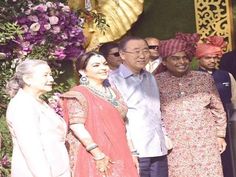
(209, 54)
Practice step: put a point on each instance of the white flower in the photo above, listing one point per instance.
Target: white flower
(66, 9)
(49, 4)
(41, 7)
(64, 36)
(27, 12)
(47, 26)
(43, 42)
(61, 4)
(25, 44)
(22, 54)
(56, 29)
(33, 18)
(2, 55)
(53, 20)
(25, 28)
(15, 62)
(35, 27)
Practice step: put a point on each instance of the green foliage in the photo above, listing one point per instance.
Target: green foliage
(8, 31)
(100, 21)
(6, 148)
(10, 9)
(194, 64)
(40, 51)
(5, 136)
(97, 18)
(7, 69)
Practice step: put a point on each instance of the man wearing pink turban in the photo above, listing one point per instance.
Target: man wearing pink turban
(209, 53)
(182, 42)
(192, 112)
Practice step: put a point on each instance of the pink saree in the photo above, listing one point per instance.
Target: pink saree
(107, 128)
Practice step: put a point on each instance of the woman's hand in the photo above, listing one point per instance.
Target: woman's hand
(103, 166)
(222, 144)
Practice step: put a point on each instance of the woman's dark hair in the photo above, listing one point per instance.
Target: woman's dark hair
(83, 60)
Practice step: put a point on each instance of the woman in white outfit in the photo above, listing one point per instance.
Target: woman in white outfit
(38, 133)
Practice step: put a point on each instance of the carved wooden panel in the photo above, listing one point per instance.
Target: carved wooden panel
(213, 17)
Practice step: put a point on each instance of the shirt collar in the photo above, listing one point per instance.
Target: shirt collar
(157, 60)
(126, 72)
(204, 70)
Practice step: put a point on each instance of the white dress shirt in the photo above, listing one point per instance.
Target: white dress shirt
(141, 94)
(152, 65)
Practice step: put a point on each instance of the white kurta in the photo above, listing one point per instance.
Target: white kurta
(38, 135)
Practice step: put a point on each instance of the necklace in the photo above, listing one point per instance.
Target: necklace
(106, 94)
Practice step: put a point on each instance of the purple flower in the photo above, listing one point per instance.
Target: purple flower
(5, 162)
(64, 36)
(33, 18)
(23, 20)
(25, 28)
(51, 24)
(56, 29)
(47, 26)
(41, 8)
(59, 53)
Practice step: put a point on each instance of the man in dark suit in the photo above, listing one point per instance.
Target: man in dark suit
(228, 62)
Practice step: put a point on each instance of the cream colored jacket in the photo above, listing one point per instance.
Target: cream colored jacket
(38, 135)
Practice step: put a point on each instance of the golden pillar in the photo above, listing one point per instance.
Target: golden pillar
(214, 17)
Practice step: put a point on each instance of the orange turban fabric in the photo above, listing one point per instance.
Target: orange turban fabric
(213, 45)
(181, 42)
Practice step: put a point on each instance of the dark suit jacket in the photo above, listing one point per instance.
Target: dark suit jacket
(228, 62)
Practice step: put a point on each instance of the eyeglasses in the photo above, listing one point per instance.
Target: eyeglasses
(116, 54)
(138, 52)
(155, 47)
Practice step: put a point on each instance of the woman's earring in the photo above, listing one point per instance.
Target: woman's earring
(84, 80)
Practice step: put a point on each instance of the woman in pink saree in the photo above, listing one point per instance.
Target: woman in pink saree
(98, 145)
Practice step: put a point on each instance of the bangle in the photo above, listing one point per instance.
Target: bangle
(90, 147)
(99, 157)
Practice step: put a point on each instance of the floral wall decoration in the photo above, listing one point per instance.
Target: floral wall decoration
(52, 26)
